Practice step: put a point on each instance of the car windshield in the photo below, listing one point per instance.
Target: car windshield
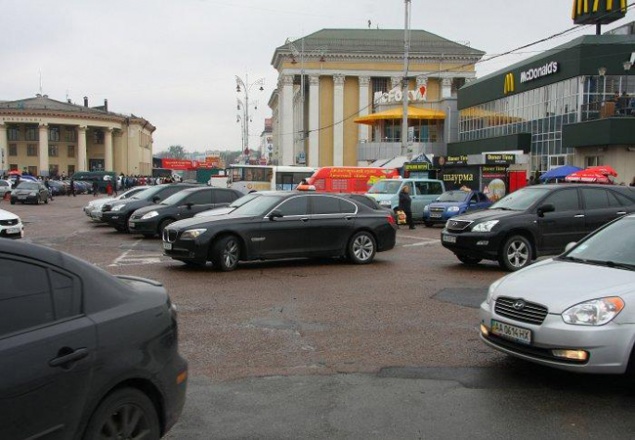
(453, 196)
(27, 185)
(258, 206)
(177, 198)
(244, 199)
(611, 246)
(520, 200)
(385, 187)
(147, 193)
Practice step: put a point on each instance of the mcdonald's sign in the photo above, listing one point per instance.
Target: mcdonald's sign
(598, 11)
(510, 84)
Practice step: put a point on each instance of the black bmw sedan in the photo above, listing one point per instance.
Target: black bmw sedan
(284, 225)
(84, 354)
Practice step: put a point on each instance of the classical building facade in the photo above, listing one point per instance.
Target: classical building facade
(333, 81)
(46, 137)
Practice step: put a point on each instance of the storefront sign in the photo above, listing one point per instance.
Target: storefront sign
(539, 72)
(442, 161)
(455, 178)
(416, 167)
(598, 11)
(176, 164)
(396, 95)
(510, 84)
(495, 159)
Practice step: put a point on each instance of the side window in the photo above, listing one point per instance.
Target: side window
(224, 196)
(422, 188)
(563, 200)
(200, 198)
(595, 198)
(294, 206)
(25, 297)
(347, 207)
(434, 188)
(412, 188)
(618, 199)
(66, 295)
(325, 205)
(168, 192)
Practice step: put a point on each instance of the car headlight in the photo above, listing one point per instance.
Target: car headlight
(492, 289)
(191, 234)
(117, 207)
(595, 312)
(453, 209)
(485, 226)
(149, 215)
(33, 193)
(426, 208)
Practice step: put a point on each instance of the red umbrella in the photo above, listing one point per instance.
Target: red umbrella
(607, 170)
(587, 176)
(15, 172)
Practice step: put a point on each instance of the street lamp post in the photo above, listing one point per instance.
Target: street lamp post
(404, 87)
(245, 87)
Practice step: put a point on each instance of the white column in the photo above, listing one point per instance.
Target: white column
(108, 154)
(81, 149)
(43, 151)
(338, 120)
(364, 108)
(286, 129)
(313, 159)
(446, 88)
(4, 152)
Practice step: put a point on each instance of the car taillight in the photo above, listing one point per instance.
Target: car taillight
(391, 220)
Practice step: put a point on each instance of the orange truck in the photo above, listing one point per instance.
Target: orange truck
(355, 180)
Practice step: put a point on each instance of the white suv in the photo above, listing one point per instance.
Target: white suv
(10, 225)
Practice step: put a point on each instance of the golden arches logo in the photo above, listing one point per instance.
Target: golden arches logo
(510, 84)
(583, 7)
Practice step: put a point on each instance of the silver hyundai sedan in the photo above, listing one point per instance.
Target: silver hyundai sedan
(574, 312)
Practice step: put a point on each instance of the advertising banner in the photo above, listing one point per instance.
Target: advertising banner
(176, 164)
(458, 177)
(494, 181)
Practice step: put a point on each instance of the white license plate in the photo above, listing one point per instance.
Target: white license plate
(167, 246)
(130, 225)
(435, 215)
(21, 197)
(449, 239)
(512, 332)
(13, 230)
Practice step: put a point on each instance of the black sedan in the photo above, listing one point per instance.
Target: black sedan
(152, 220)
(30, 192)
(284, 225)
(84, 354)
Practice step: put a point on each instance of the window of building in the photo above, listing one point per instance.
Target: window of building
(70, 151)
(54, 134)
(593, 161)
(32, 170)
(70, 134)
(31, 149)
(13, 167)
(53, 151)
(98, 137)
(13, 133)
(32, 133)
(54, 169)
(71, 170)
(13, 149)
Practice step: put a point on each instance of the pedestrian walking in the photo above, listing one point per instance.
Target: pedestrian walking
(71, 189)
(47, 184)
(405, 204)
(95, 188)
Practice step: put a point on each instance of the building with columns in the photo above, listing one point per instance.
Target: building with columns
(46, 137)
(338, 96)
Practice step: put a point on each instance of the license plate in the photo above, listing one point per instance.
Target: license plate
(517, 334)
(21, 197)
(435, 215)
(167, 246)
(130, 225)
(13, 230)
(449, 239)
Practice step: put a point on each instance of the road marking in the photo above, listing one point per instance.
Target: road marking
(427, 242)
(132, 257)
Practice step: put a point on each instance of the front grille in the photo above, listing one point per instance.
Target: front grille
(10, 222)
(520, 310)
(441, 210)
(457, 225)
(170, 235)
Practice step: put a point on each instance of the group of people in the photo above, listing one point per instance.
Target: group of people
(624, 104)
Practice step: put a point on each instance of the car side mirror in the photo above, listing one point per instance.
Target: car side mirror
(189, 205)
(570, 246)
(156, 199)
(542, 210)
(275, 214)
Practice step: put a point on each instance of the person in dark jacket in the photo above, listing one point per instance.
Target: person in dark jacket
(405, 204)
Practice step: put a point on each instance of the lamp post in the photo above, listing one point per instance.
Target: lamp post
(404, 87)
(245, 87)
(602, 73)
(627, 67)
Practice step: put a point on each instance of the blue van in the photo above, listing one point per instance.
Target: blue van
(422, 192)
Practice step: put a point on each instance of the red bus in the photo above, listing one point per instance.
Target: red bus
(349, 179)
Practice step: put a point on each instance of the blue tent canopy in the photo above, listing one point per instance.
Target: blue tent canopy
(560, 172)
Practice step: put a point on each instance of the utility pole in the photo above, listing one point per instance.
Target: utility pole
(404, 86)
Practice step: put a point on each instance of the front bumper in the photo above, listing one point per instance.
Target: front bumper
(117, 219)
(472, 244)
(138, 226)
(13, 232)
(195, 250)
(608, 346)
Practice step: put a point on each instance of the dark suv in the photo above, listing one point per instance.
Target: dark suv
(152, 220)
(117, 214)
(534, 221)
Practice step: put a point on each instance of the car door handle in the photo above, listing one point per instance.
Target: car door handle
(621, 212)
(349, 217)
(579, 216)
(73, 356)
(304, 219)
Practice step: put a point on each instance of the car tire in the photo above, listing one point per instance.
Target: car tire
(362, 248)
(129, 412)
(164, 224)
(37, 200)
(470, 261)
(515, 254)
(226, 253)
(46, 201)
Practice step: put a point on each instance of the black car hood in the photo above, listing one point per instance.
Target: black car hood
(488, 214)
(209, 221)
(153, 207)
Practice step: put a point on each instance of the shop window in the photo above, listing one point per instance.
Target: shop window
(31, 150)
(13, 149)
(53, 151)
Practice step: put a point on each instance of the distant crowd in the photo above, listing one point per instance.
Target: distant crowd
(123, 181)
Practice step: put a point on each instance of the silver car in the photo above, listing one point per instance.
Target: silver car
(93, 208)
(574, 312)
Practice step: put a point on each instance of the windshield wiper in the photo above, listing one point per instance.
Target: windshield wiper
(611, 264)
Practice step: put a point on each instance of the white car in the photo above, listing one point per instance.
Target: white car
(575, 312)
(5, 187)
(93, 208)
(10, 225)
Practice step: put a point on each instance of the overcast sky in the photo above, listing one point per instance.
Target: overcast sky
(174, 62)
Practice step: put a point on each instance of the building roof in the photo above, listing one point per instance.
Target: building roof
(374, 42)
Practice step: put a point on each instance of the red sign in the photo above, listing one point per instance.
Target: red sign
(176, 164)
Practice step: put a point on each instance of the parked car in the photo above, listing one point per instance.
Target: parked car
(152, 220)
(452, 203)
(10, 225)
(57, 187)
(574, 312)
(534, 221)
(283, 225)
(84, 354)
(117, 213)
(422, 193)
(30, 192)
(5, 188)
(93, 208)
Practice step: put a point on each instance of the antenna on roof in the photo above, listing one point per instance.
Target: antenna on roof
(369, 23)
(40, 82)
